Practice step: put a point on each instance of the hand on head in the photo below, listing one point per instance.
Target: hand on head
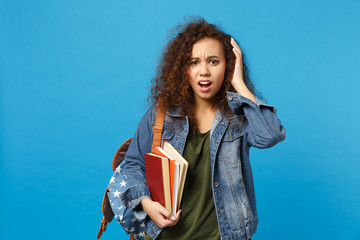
(238, 70)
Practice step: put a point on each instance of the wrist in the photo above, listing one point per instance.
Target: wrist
(239, 86)
(145, 201)
(242, 89)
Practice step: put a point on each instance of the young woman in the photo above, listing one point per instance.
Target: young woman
(212, 119)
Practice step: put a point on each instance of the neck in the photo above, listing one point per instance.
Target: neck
(204, 106)
(205, 112)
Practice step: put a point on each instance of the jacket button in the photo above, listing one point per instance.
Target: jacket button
(230, 97)
(221, 211)
(216, 184)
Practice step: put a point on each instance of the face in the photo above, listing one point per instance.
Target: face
(207, 69)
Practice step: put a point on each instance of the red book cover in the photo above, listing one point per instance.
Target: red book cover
(161, 152)
(154, 177)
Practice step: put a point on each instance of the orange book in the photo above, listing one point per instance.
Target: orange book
(183, 166)
(174, 178)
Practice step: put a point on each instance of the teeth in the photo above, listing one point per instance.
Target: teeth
(204, 82)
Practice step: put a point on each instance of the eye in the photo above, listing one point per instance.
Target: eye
(214, 62)
(194, 63)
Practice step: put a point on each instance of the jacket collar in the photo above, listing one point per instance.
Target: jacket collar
(174, 112)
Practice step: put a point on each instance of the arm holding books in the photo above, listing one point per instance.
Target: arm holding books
(134, 167)
(137, 196)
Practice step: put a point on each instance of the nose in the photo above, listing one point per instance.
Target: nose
(204, 70)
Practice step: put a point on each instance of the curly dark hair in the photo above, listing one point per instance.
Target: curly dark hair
(171, 87)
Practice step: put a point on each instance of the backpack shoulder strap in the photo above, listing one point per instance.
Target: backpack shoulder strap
(120, 154)
(158, 128)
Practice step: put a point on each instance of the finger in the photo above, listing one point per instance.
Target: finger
(238, 56)
(165, 212)
(234, 43)
(177, 216)
(171, 222)
(165, 223)
(237, 52)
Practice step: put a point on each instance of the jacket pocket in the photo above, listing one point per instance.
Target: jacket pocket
(167, 134)
(230, 147)
(233, 134)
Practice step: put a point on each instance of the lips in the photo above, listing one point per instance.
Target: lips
(205, 85)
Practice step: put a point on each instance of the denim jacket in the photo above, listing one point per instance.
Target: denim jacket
(251, 124)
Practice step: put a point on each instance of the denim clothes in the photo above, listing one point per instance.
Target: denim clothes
(251, 124)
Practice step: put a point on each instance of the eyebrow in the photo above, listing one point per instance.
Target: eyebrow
(207, 57)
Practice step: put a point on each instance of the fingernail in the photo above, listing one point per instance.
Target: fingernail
(173, 218)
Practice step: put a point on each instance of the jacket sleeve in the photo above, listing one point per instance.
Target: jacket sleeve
(263, 129)
(134, 166)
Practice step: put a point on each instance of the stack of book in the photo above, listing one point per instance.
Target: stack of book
(166, 170)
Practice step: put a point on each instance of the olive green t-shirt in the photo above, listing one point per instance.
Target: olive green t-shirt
(198, 217)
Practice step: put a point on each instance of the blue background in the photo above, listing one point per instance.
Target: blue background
(74, 81)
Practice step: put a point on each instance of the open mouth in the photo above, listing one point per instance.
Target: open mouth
(205, 84)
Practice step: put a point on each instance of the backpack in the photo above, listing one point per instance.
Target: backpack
(112, 204)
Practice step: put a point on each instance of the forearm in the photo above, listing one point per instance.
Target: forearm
(242, 89)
